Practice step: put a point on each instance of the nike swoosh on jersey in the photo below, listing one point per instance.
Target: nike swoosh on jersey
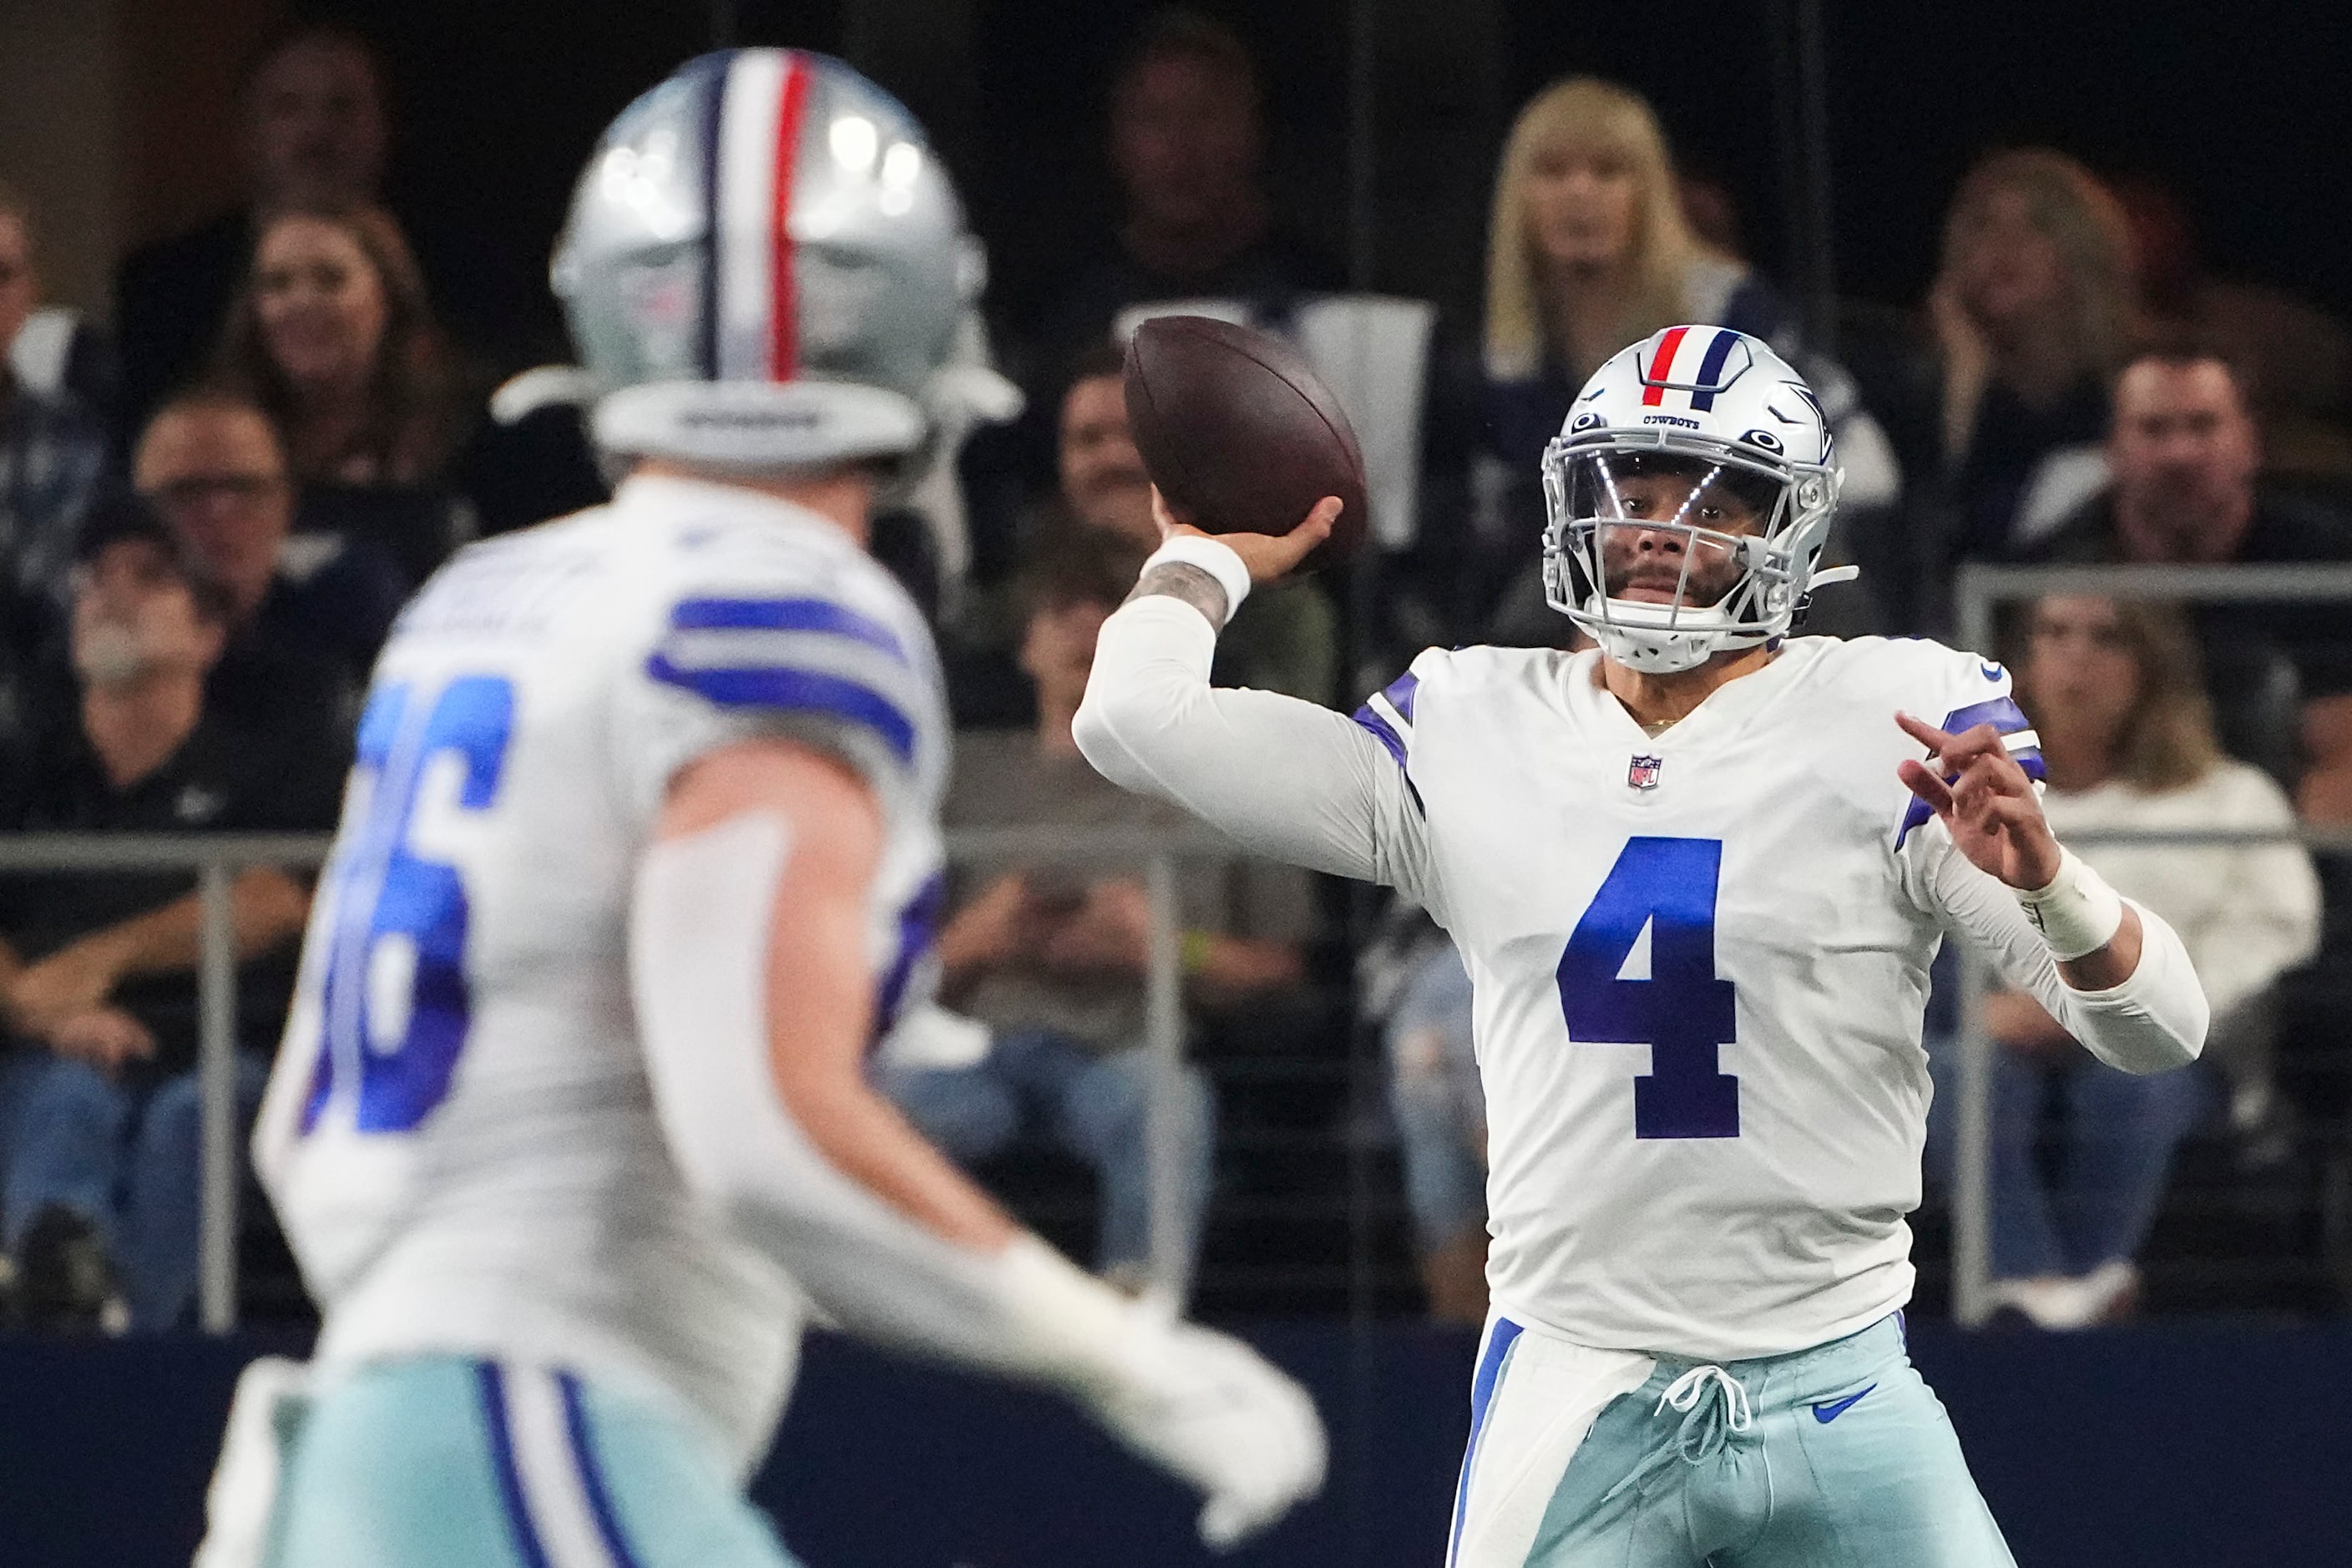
(1827, 1413)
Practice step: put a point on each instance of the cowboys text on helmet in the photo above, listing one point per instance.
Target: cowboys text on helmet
(1689, 498)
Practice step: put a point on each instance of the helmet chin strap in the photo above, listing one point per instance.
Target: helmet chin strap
(1652, 650)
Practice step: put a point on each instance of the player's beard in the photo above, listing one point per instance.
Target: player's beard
(1714, 573)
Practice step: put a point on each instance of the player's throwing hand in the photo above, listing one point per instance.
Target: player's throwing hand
(1268, 555)
(1985, 800)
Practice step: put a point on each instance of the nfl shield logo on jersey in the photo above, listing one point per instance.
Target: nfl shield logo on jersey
(1643, 773)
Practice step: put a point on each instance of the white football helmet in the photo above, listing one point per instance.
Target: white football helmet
(1689, 498)
(764, 269)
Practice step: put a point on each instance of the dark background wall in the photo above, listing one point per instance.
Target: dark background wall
(2234, 108)
(2207, 1446)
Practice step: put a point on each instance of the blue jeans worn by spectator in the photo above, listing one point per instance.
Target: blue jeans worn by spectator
(126, 1157)
(2118, 1132)
(1094, 1104)
(1438, 1102)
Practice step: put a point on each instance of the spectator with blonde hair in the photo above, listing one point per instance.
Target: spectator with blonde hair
(2034, 310)
(1588, 249)
(2116, 700)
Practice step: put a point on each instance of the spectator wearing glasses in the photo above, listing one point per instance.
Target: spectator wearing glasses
(2114, 693)
(96, 968)
(305, 611)
(53, 455)
(2184, 459)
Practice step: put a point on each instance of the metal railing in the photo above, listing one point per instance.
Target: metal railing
(217, 859)
(1157, 853)
(1980, 591)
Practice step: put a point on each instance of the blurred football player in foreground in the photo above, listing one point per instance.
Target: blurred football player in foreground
(570, 1128)
(1697, 874)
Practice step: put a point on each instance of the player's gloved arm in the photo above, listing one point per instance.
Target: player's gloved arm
(1286, 779)
(749, 967)
(2114, 974)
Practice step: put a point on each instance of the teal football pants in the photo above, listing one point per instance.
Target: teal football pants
(447, 1462)
(1838, 1456)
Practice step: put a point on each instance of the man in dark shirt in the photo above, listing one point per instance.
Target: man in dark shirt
(1187, 144)
(97, 970)
(307, 612)
(2184, 453)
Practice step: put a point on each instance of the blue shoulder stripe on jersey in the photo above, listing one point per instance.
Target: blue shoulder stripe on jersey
(786, 615)
(1400, 693)
(794, 691)
(2004, 715)
(1385, 733)
(1703, 400)
(1383, 730)
(2001, 712)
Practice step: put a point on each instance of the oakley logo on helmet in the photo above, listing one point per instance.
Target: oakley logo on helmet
(750, 418)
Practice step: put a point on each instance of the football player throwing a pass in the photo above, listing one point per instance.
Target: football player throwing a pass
(1697, 874)
(570, 1127)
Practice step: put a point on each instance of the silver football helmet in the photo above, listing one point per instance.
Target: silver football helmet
(1690, 495)
(764, 269)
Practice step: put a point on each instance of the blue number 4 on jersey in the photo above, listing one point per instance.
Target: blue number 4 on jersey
(1684, 1011)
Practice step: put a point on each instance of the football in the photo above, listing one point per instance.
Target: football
(1239, 433)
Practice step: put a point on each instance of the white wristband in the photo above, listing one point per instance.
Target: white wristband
(2077, 914)
(1213, 556)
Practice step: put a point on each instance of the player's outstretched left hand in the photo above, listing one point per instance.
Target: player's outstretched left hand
(1268, 557)
(1984, 800)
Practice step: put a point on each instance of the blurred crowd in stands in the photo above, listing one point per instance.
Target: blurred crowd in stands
(212, 509)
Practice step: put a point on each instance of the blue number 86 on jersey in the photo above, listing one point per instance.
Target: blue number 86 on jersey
(394, 995)
(1685, 1010)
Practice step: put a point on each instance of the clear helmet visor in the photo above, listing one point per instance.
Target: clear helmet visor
(1664, 540)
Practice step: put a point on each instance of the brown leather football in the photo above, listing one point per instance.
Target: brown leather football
(1239, 434)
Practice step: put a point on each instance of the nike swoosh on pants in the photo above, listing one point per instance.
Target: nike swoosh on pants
(1827, 1413)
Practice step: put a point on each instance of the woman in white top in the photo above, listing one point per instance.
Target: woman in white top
(2114, 691)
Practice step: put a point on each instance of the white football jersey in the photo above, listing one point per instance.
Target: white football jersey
(1700, 963)
(460, 1136)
